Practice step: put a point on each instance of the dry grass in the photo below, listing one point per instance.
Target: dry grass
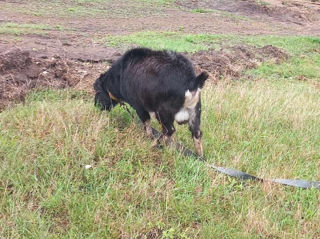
(133, 190)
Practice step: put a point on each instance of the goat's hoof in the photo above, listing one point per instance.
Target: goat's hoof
(156, 144)
(149, 136)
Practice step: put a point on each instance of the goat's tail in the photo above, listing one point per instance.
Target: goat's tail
(199, 81)
(101, 99)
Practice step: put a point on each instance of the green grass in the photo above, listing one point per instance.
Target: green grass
(303, 60)
(201, 10)
(263, 3)
(160, 2)
(18, 29)
(91, 1)
(221, 13)
(264, 127)
(85, 8)
(298, 67)
(180, 42)
(303, 63)
(291, 44)
(268, 128)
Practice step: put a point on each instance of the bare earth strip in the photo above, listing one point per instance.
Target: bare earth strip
(76, 28)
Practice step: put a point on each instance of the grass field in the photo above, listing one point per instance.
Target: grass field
(266, 123)
(268, 127)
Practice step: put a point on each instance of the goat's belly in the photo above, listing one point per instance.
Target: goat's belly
(182, 116)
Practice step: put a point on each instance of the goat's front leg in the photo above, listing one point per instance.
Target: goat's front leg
(194, 126)
(148, 128)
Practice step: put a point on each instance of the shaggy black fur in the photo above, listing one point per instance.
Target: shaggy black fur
(150, 81)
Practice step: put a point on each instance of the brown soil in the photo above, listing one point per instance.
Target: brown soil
(230, 63)
(287, 11)
(20, 73)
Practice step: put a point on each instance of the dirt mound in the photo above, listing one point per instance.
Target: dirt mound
(286, 11)
(232, 62)
(20, 73)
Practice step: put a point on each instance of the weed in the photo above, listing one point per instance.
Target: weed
(201, 10)
(161, 2)
(263, 3)
(18, 29)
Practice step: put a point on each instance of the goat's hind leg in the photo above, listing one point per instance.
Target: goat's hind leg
(166, 120)
(144, 116)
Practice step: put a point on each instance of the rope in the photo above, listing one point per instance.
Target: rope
(298, 183)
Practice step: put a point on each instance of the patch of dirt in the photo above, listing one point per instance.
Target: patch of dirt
(230, 63)
(75, 54)
(21, 72)
(64, 46)
(297, 12)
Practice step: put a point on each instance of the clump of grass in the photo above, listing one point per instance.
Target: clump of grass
(201, 10)
(92, 1)
(292, 44)
(263, 3)
(221, 13)
(166, 40)
(160, 2)
(79, 10)
(18, 29)
(303, 63)
(302, 67)
(232, 15)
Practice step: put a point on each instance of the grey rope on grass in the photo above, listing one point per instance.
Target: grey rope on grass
(298, 183)
(242, 175)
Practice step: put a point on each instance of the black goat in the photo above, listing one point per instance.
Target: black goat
(159, 82)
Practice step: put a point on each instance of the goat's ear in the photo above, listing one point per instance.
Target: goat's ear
(202, 78)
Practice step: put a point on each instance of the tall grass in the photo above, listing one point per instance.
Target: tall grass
(133, 190)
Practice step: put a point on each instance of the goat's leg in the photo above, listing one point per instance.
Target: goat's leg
(166, 120)
(148, 128)
(144, 116)
(194, 126)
